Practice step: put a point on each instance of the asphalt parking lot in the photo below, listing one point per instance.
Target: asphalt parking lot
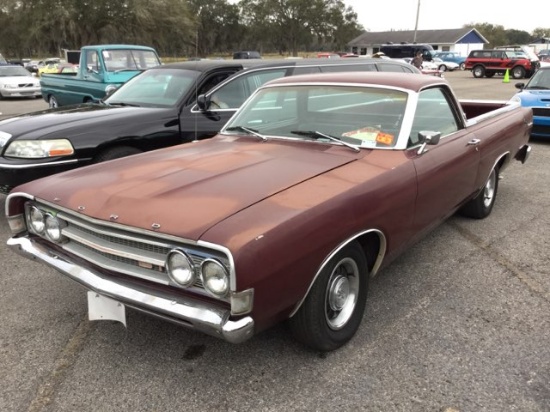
(461, 322)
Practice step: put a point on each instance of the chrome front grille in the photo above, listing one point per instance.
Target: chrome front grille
(128, 251)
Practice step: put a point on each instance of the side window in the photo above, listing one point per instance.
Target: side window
(433, 113)
(92, 61)
(348, 68)
(306, 70)
(387, 67)
(233, 94)
(212, 81)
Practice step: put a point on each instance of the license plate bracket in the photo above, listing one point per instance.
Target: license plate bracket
(103, 308)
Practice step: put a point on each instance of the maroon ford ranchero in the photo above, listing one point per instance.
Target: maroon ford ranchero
(312, 187)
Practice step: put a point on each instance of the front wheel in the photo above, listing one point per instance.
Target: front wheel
(518, 72)
(481, 206)
(478, 71)
(443, 68)
(462, 66)
(333, 310)
(52, 102)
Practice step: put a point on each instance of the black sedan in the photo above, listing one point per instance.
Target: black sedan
(161, 107)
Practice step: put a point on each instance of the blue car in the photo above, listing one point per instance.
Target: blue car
(454, 57)
(536, 94)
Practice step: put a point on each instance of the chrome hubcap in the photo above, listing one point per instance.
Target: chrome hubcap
(489, 191)
(342, 293)
(338, 294)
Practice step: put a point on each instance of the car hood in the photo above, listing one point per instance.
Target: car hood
(185, 190)
(70, 121)
(535, 97)
(19, 79)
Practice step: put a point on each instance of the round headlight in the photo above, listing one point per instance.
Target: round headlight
(53, 228)
(37, 220)
(110, 89)
(180, 268)
(214, 277)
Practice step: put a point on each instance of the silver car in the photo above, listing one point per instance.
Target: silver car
(15, 81)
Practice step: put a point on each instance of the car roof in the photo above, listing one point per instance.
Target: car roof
(203, 65)
(257, 63)
(415, 82)
(200, 65)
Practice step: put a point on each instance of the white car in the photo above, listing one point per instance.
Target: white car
(15, 81)
(444, 65)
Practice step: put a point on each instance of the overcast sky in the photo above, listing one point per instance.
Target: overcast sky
(385, 15)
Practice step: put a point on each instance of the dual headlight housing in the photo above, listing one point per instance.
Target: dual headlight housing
(45, 224)
(184, 272)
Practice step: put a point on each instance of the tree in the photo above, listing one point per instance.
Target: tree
(294, 24)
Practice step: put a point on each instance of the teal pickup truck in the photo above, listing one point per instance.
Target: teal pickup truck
(102, 69)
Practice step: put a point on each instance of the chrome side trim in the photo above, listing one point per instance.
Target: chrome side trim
(27, 166)
(182, 310)
(375, 267)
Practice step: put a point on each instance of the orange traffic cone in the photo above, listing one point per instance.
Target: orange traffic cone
(506, 77)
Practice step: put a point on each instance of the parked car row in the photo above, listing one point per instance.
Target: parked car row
(164, 106)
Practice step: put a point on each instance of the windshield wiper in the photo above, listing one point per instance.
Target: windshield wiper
(123, 104)
(247, 130)
(314, 134)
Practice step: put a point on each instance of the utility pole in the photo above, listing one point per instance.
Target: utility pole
(416, 25)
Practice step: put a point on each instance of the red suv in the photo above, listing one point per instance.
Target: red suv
(490, 62)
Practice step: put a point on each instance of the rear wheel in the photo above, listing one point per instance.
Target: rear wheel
(462, 66)
(478, 71)
(518, 72)
(334, 307)
(52, 102)
(116, 153)
(482, 205)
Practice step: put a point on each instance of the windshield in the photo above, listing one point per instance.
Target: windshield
(128, 59)
(540, 80)
(368, 117)
(13, 71)
(157, 88)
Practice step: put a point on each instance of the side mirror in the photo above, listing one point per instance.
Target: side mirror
(520, 86)
(427, 137)
(203, 102)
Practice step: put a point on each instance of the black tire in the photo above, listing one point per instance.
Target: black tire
(490, 74)
(462, 66)
(442, 68)
(518, 72)
(481, 206)
(334, 307)
(52, 102)
(116, 153)
(478, 71)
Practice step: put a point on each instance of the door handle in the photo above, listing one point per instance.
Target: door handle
(473, 142)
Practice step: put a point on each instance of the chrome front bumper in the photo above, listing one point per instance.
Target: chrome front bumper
(186, 312)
